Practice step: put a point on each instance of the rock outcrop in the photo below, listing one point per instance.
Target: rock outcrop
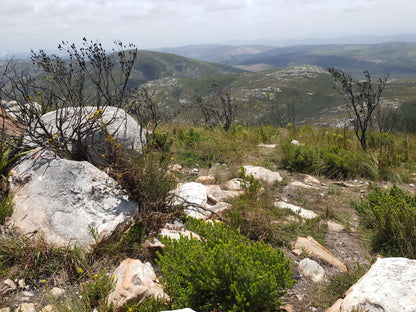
(117, 123)
(389, 285)
(66, 201)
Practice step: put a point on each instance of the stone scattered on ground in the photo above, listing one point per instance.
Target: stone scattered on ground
(303, 213)
(215, 192)
(299, 184)
(5, 310)
(198, 203)
(48, 308)
(7, 286)
(313, 248)
(180, 310)
(193, 196)
(175, 168)
(134, 281)
(312, 269)
(389, 285)
(21, 284)
(235, 184)
(334, 226)
(65, 201)
(311, 180)
(295, 142)
(176, 235)
(263, 174)
(206, 180)
(267, 145)
(26, 307)
(57, 292)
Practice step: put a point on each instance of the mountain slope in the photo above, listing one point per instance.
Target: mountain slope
(398, 59)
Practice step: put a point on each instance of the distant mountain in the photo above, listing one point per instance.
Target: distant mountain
(398, 59)
(215, 52)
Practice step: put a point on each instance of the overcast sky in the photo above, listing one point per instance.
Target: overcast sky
(42, 24)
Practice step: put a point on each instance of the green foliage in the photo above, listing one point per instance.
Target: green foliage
(95, 293)
(149, 304)
(391, 215)
(93, 297)
(339, 284)
(188, 138)
(333, 162)
(24, 257)
(223, 271)
(6, 208)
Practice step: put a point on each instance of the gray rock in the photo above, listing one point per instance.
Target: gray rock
(66, 200)
(193, 196)
(263, 174)
(312, 269)
(57, 292)
(117, 123)
(389, 285)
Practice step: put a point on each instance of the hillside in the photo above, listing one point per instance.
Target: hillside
(398, 59)
(262, 97)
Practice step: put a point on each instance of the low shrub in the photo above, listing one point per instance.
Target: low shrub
(223, 271)
(333, 162)
(391, 215)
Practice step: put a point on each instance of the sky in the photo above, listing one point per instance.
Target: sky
(42, 24)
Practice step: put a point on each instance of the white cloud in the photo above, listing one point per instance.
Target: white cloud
(39, 24)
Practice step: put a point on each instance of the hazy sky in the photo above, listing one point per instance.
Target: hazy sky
(42, 24)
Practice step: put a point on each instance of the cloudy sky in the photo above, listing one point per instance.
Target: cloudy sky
(42, 24)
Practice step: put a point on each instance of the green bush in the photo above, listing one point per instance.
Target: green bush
(392, 216)
(333, 162)
(224, 271)
(6, 208)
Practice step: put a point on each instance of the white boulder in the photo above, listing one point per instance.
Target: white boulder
(67, 202)
(389, 285)
(263, 174)
(117, 123)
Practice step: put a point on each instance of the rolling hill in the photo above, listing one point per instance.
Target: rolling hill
(396, 59)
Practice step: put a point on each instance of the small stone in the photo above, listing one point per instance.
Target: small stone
(48, 308)
(312, 270)
(206, 180)
(21, 283)
(295, 142)
(7, 286)
(26, 295)
(5, 310)
(175, 168)
(26, 307)
(234, 184)
(411, 185)
(57, 292)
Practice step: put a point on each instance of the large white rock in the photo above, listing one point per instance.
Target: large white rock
(263, 174)
(64, 200)
(389, 286)
(312, 269)
(117, 123)
(134, 281)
